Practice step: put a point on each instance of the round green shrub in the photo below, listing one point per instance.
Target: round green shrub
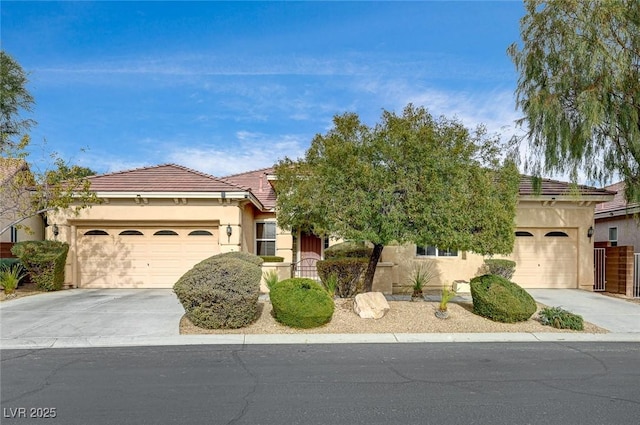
(347, 250)
(45, 262)
(301, 303)
(245, 256)
(500, 300)
(221, 292)
(504, 268)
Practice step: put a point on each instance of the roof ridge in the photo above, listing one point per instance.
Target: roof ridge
(249, 172)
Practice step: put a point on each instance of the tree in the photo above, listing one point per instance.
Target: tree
(579, 88)
(410, 178)
(15, 99)
(25, 191)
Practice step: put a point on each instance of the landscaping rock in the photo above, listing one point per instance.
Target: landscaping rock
(461, 287)
(371, 305)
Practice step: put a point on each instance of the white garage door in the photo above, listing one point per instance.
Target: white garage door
(141, 257)
(546, 258)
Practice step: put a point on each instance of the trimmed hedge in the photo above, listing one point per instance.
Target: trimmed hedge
(500, 300)
(301, 303)
(272, 259)
(347, 271)
(222, 291)
(45, 261)
(245, 256)
(348, 250)
(504, 268)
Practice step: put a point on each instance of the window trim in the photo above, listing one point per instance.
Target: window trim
(274, 240)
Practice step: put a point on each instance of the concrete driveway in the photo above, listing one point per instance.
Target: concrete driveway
(84, 315)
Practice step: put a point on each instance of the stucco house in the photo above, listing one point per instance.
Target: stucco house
(14, 201)
(154, 223)
(616, 221)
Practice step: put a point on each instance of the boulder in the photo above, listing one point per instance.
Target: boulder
(371, 305)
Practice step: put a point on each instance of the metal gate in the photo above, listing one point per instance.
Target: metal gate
(305, 268)
(636, 275)
(599, 280)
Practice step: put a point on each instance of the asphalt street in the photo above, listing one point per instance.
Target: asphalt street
(420, 383)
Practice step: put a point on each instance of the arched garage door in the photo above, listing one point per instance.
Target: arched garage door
(141, 257)
(546, 258)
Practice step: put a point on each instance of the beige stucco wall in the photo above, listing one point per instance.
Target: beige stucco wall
(529, 214)
(31, 229)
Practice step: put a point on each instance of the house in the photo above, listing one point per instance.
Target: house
(15, 204)
(154, 223)
(616, 220)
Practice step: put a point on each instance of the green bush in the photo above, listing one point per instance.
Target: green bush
(272, 259)
(8, 262)
(221, 292)
(10, 277)
(500, 300)
(245, 256)
(348, 272)
(301, 303)
(504, 268)
(45, 261)
(561, 319)
(270, 278)
(347, 250)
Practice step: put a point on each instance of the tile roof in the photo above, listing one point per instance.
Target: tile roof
(257, 181)
(554, 187)
(619, 202)
(162, 178)
(9, 167)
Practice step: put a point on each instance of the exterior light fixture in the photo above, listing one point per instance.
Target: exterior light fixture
(55, 231)
(590, 232)
(229, 231)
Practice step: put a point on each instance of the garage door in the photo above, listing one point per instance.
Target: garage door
(141, 257)
(546, 258)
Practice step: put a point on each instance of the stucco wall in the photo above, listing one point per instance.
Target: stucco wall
(628, 231)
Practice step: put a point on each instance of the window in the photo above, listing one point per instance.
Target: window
(556, 235)
(522, 233)
(266, 238)
(200, 233)
(432, 251)
(131, 233)
(96, 233)
(165, 233)
(613, 236)
(14, 234)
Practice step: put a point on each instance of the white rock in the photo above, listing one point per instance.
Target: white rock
(371, 305)
(461, 287)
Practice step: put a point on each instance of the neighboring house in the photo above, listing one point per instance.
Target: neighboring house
(155, 223)
(616, 221)
(14, 201)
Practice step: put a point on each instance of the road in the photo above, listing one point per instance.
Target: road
(444, 383)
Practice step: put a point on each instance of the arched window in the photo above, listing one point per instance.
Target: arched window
(131, 233)
(200, 233)
(165, 233)
(96, 233)
(557, 235)
(522, 233)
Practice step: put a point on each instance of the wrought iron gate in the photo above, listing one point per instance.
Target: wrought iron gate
(599, 278)
(305, 268)
(636, 275)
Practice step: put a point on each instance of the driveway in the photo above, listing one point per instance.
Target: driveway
(87, 314)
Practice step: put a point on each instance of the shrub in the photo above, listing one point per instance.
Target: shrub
(331, 285)
(504, 268)
(8, 262)
(270, 278)
(346, 270)
(422, 273)
(561, 319)
(301, 303)
(348, 250)
(500, 300)
(221, 292)
(272, 259)
(245, 256)
(446, 295)
(10, 277)
(45, 261)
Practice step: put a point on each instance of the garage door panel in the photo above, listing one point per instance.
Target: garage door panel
(141, 261)
(547, 259)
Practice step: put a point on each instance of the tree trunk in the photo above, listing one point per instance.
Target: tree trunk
(371, 268)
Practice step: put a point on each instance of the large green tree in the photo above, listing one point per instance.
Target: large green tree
(25, 190)
(410, 178)
(579, 88)
(15, 99)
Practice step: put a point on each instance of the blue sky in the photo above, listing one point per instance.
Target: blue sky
(226, 87)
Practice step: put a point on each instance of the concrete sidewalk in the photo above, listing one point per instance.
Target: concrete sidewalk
(138, 317)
